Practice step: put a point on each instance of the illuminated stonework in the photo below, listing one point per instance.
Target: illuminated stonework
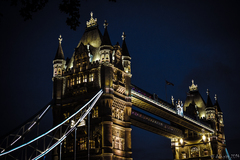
(193, 87)
(196, 128)
(92, 21)
(201, 145)
(95, 65)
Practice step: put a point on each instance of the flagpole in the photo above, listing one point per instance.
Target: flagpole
(167, 83)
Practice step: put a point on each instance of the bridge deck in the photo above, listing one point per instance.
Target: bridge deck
(145, 101)
(148, 123)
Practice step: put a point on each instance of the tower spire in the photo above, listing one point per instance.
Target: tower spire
(124, 46)
(209, 102)
(59, 54)
(106, 39)
(216, 103)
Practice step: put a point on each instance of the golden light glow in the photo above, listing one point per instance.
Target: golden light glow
(181, 141)
(204, 138)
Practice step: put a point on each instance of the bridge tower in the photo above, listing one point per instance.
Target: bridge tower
(201, 145)
(95, 64)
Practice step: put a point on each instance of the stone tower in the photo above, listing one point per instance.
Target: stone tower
(95, 64)
(201, 145)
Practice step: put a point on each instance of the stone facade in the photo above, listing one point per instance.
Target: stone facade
(96, 64)
(201, 145)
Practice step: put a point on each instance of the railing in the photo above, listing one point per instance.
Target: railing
(19, 133)
(137, 92)
(78, 116)
(157, 123)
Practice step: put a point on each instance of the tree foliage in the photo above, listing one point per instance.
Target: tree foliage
(69, 7)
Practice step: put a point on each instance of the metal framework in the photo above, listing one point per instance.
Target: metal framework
(49, 140)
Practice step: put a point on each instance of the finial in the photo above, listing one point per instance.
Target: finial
(91, 22)
(208, 92)
(193, 87)
(60, 39)
(172, 98)
(123, 36)
(215, 97)
(105, 24)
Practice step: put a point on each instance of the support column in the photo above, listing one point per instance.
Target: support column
(107, 140)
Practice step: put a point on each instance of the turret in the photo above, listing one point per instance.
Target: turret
(59, 61)
(219, 115)
(106, 46)
(126, 59)
(196, 101)
(210, 109)
(58, 70)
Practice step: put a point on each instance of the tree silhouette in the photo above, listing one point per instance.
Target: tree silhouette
(69, 7)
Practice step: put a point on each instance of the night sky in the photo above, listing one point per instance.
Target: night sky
(168, 40)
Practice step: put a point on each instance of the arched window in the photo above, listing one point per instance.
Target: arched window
(85, 78)
(59, 71)
(91, 77)
(113, 142)
(55, 71)
(102, 57)
(113, 112)
(73, 81)
(184, 155)
(120, 144)
(78, 79)
(107, 57)
(117, 143)
(194, 152)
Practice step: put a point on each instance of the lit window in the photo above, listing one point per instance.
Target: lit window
(107, 57)
(120, 145)
(78, 80)
(117, 143)
(59, 71)
(83, 144)
(91, 77)
(55, 71)
(85, 78)
(102, 57)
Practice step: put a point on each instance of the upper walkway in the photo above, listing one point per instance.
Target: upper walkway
(165, 110)
(148, 123)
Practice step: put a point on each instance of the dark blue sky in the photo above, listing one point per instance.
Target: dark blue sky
(168, 40)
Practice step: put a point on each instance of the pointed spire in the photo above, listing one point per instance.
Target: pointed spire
(216, 104)
(106, 39)
(124, 46)
(209, 102)
(59, 54)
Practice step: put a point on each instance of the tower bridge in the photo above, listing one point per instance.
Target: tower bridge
(101, 70)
